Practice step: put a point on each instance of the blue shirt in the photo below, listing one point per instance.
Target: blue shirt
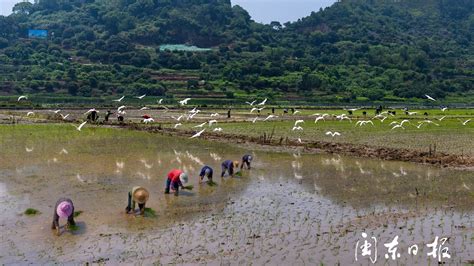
(247, 158)
(203, 171)
(228, 164)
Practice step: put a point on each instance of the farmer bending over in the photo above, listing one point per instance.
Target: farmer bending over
(63, 209)
(247, 159)
(206, 171)
(137, 195)
(228, 166)
(175, 180)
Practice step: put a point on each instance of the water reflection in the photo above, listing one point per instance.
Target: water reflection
(288, 198)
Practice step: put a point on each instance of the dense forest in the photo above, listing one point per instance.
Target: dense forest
(353, 51)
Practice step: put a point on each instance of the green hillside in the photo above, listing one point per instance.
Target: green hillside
(354, 51)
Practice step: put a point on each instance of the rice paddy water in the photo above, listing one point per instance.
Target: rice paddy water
(290, 208)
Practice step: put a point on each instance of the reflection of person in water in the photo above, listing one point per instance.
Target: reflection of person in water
(138, 195)
(175, 180)
(206, 171)
(247, 159)
(63, 209)
(228, 166)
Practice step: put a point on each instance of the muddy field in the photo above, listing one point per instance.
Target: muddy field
(445, 143)
(291, 208)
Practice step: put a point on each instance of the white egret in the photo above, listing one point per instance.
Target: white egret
(429, 97)
(141, 97)
(319, 118)
(263, 102)
(119, 100)
(185, 101)
(333, 134)
(270, 117)
(198, 134)
(298, 122)
(428, 122)
(200, 125)
(22, 97)
(177, 118)
(397, 126)
(148, 120)
(80, 126)
(404, 121)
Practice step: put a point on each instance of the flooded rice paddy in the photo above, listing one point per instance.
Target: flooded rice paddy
(290, 208)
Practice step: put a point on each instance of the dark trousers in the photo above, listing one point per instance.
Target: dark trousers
(246, 163)
(131, 204)
(70, 219)
(170, 184)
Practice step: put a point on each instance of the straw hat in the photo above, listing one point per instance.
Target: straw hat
(64, 209)
(236, 163)
(183, 177)
(141, 195)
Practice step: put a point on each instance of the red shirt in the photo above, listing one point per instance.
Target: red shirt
(174, 175)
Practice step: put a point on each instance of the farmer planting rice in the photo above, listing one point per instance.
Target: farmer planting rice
(206, 171)
(63, 209)
(247, 159)
(175, 180)
(228, 166)
(138, 195)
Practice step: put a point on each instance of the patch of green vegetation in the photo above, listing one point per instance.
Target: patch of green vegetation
(211, 183)
(325, 57)
(149, 212)
(73, 228)
(77, 213)
(31, 212)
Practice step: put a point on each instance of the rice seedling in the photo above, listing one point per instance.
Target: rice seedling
(73, 228)
(31, 212)
(77, 213)
(188, 187)
(149, 212)
(211, 183)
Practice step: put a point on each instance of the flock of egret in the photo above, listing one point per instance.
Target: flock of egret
(260, 106)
